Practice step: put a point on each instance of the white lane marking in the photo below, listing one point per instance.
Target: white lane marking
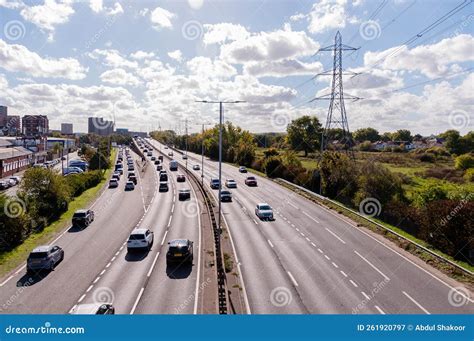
(20, 269)
(418, 304)
(107, 265)
(327, 257)
(164, 237)
(302, 234)
(343, 273)
(103, 271)
(117, 253)
(380, 310)
(396, 252)
(5, 281)
(297, 229)
(292, 279)
(353, 283)
(96, 280)
(137, 300)
(89, 288)
(81, 298)
(366, 296)
(373, 266)
(73, 307)
(256, 223)
(306, 214)
(335, 235)
(169, 221)
(172, 209)
(198, 279)
(293, 205)
(320, 251)
(335, 265)
(309, 240)
(153, 265)
(113, 258)
(313, 244)
(269, 242)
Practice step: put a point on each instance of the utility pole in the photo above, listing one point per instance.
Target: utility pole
(202, 151)
(186, 144)
(221, 113)
(336, 117)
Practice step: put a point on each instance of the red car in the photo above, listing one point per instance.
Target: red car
(251, 181)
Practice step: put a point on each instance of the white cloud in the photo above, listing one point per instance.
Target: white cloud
(11, 4)
(97, 6)
(266, 46)
(112, 58)
(206, 68)
(176, 55)
(3, 81)
(224, 32)
(119, 77)
(282, 68)
(431, 60)
(161, 18)
(142, 55)
(17, 58)
(48, 15)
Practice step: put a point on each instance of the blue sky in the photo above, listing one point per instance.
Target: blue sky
(145, 63)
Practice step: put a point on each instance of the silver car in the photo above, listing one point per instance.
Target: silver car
(44, 258)
(140, 239)
(264, 211)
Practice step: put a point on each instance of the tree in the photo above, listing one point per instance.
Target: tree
(45, 192)
(366, 134)
(387, 136)
(304, 134)
(452, 142)
(338, 176)
(99, 161)
(402, 135)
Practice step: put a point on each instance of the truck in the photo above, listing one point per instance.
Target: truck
(173, 165)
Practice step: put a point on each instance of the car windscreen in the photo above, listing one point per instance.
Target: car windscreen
(137, 237)
(36, 255)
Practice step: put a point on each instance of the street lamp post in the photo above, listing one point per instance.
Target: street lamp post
(221, 113)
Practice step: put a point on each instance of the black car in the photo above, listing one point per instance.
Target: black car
(180, 178)
(163, 177)
(184, 194)
(180, 251)
(133, 179)
(157, 162)
(82, 218)
(226, 196)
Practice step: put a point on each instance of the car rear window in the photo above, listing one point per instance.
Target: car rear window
(137, 237)
(177, 248)
(79, 215)
(265, 207)
(37, 255)
(250, 178)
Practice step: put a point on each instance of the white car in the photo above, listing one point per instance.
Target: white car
(98, 308)
(264, 211)
(231, 183)
(140, 239)
(196, 167)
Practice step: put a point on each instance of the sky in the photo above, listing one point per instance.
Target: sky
(145, 64)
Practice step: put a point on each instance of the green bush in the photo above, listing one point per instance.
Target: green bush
(427, 157)
(274, 167)
(469, 175)
(464, 162)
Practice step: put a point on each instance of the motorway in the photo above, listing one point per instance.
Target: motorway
(312, 260)
(97, 266)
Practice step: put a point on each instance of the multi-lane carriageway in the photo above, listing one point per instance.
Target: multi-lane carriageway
(308, 260)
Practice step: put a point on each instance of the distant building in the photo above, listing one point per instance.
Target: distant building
(122, 131)
(14, 159)
(12, 126)
(3, 115)
(66, 144)
(67, 129)
(99, 126)
(35, 125)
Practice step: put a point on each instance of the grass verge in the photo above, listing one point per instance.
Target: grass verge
(11, 259)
